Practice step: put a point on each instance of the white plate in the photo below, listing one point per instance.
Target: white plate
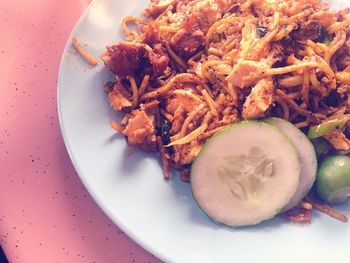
(162, 216)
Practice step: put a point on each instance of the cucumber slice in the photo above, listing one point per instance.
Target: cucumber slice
(245, 174)
(307, 157)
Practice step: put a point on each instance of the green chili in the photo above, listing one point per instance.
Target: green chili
(328, 126)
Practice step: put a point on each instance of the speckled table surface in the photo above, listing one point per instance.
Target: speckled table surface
(46, 215)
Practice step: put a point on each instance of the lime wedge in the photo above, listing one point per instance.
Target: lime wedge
(333, 179)
(322, 147)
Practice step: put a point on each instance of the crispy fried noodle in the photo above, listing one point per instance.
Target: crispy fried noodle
(191, 67)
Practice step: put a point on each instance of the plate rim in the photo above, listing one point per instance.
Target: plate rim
(131, 234)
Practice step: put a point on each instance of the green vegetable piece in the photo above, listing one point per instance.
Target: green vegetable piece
(333, 179)
(325, 38)
(322, 147)
(328, 126)
(261, 31)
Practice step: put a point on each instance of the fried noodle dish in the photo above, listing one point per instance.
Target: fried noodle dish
(189, 68)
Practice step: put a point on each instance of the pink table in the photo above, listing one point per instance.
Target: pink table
(46, 214)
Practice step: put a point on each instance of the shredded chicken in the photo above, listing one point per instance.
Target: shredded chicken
(118, 99)
(157, 7)
(199, 16)
(128, 58)
(140, 130)
(338, 140)
(184, 98)
(246, 73)
(259, 100)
